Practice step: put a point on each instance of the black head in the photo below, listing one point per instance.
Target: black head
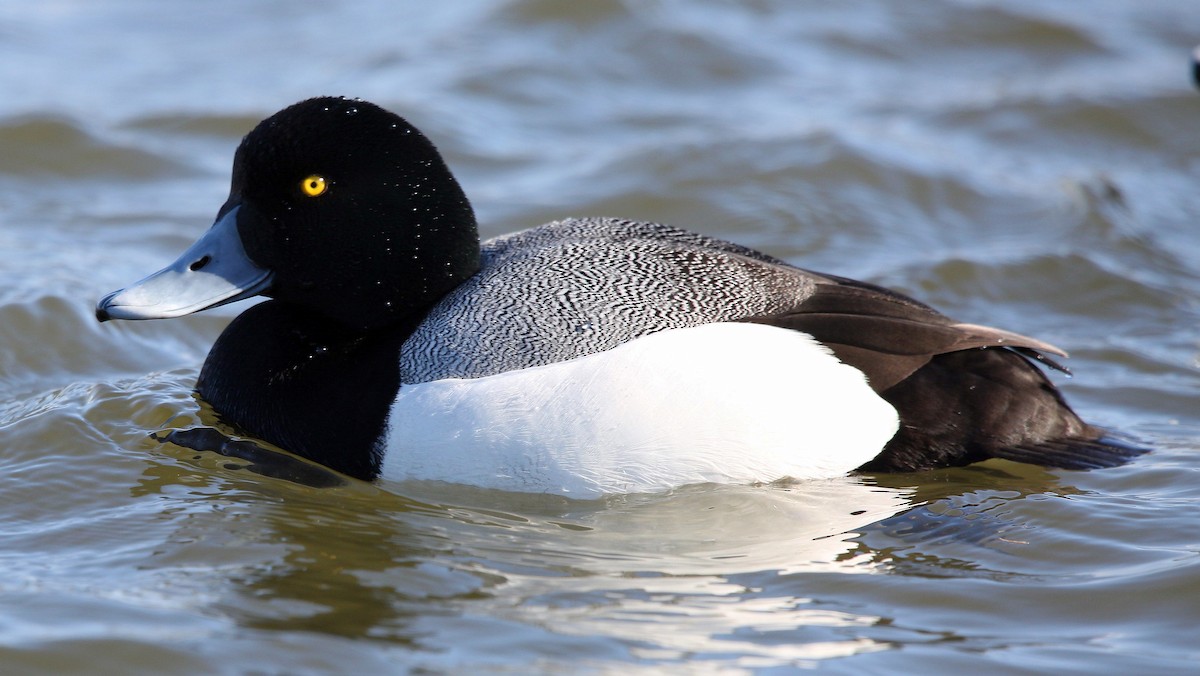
(337, 207)
(353, 210)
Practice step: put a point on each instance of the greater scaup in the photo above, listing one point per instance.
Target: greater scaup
(585, 356)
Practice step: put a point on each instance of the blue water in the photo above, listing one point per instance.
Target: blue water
(1025, 164)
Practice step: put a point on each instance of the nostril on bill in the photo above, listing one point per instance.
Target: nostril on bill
(200, 263)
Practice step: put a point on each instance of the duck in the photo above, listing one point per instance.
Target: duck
(582, 357)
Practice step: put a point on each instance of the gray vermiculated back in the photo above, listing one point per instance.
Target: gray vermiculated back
(581, 286)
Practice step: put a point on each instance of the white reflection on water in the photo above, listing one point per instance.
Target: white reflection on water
(664, 573)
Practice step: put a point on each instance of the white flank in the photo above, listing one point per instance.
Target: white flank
(727, 403)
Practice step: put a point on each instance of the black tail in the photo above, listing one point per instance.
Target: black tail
(972, 405)
(1099, 453)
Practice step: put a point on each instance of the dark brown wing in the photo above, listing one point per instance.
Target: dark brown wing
(888, 336)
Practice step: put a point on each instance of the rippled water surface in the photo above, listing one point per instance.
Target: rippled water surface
(1026, 164)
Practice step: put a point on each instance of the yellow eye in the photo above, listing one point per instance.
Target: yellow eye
(314, 185)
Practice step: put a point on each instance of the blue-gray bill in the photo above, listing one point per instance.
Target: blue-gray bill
(213, 271)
